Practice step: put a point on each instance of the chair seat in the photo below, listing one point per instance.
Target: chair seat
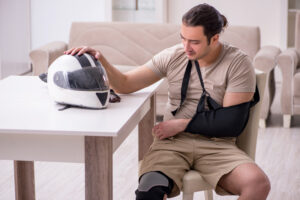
(193, 182)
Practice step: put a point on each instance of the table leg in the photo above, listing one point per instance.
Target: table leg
(98, 168)
(145, 129)
(24, 180)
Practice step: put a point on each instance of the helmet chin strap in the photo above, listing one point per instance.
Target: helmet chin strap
(65, 107)
(43, 77)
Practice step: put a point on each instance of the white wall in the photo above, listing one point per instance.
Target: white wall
(51, 19)
(14, 36)
(269, 15)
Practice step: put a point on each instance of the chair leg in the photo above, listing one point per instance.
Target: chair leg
(287, 121)
(187, 196)
(208, 195)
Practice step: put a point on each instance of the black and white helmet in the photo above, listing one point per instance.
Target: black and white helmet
(78, 81)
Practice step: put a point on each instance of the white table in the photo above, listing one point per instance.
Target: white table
(32, 129)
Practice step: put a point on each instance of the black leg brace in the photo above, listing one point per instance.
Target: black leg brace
(153, 186)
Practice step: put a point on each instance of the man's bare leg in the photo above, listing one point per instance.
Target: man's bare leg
(248, 181)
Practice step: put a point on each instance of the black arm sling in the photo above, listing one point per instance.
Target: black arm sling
(216, 121)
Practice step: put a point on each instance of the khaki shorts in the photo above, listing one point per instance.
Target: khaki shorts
(212, 157)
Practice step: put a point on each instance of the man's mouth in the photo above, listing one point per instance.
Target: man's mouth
(190, 53)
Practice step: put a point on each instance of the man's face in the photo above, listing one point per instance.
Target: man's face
(194, 41)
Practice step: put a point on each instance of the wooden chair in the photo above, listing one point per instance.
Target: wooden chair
(193, 181)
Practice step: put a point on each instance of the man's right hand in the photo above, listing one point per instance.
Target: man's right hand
(82, 50)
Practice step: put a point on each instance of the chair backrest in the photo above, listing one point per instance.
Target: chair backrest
(247, 140)
(246, 38)
(125, 43)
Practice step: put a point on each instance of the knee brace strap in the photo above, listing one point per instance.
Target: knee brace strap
(153, 186)
(151, 179)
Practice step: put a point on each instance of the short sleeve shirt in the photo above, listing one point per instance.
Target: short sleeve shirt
(231, 72)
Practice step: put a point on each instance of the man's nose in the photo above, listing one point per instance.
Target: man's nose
(188, 47)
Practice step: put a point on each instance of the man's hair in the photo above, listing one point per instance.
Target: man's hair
(207, 16)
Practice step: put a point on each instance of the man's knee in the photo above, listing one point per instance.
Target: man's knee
(258, 185)
(153, 186)
(263, 184)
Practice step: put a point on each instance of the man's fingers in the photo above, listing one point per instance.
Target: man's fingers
(161, 137)
(159, 134)
(154, 129)
(157, 126)
(83, 50)
(97, 55)
(157, 131)
(75, 51)
(69, 51)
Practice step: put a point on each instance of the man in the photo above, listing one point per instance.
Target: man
(228, 77)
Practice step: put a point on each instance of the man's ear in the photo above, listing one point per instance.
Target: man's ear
(214, 39)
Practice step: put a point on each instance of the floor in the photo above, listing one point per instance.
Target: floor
(278, 153)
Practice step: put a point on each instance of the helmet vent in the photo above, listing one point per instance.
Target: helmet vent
(102, 97)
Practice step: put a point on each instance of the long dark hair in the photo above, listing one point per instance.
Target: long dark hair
(207, 16)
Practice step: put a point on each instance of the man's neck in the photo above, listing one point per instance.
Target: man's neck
(212, 56)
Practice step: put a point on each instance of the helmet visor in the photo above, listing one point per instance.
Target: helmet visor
(85, 79)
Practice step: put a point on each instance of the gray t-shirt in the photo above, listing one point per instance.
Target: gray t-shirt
(231, 72)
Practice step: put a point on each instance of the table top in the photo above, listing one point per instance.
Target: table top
(26, 108)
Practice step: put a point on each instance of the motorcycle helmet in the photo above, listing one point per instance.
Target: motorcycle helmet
(78, 81)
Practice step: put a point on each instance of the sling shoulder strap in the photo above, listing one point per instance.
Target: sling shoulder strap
(205, 97)
(184, 86)
(185, 83)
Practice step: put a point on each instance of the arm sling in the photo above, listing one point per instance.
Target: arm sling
(216, 121)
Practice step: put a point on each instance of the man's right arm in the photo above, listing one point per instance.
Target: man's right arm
(128, 82)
